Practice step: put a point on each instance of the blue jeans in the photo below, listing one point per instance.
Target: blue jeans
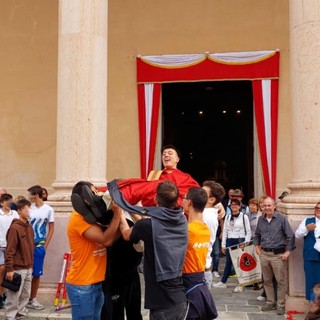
(229, 265)
(86, 301)
(216, 254)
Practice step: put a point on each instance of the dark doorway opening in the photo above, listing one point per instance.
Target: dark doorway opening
(212, 124)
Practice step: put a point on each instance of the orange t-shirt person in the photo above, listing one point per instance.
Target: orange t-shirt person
(88, 244)
(198, 245)
(89, 259)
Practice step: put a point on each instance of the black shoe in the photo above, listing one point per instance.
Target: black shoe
(269, 307)
(93, 200)
(280, 310)
(80, 206)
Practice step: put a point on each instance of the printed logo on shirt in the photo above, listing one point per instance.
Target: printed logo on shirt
(40, 229)
(199, 245)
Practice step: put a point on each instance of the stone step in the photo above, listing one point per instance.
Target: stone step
(46, 295)
(47, 313)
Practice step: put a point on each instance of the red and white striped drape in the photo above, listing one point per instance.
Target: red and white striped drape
(149, 103)
(262, 67)
(265, 97)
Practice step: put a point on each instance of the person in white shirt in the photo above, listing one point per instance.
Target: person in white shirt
(309, 229)
(42, 221)
(6, 217)
(215, 192)
(236, 230)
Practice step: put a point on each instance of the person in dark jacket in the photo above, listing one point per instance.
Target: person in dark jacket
(165, 237)
(19, 259)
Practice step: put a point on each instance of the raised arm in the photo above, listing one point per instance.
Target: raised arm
(107, 237)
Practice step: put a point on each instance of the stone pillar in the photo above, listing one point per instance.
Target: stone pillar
(82, 85)
(305, 102)
(81, 119)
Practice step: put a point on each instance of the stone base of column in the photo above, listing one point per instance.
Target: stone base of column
(305, 191)
(298, 304)
(298, 205)
(302, 198)
(59, 243)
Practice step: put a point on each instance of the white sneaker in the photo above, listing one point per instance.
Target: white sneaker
(216, 274)
(261, 298)
(35, 304)
(238, 289)
(220, 285)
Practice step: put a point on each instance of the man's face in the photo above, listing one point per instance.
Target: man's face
(6, 204)
(170, 158)
(211, 199)
(269, 207)
(32, 197)
(230, 193)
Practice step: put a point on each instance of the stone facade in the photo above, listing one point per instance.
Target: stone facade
(62, 121)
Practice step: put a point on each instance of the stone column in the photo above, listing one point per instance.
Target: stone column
(305, 101)
(82, 85)
(81, 119)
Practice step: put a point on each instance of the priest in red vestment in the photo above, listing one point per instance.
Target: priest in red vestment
(144, 190)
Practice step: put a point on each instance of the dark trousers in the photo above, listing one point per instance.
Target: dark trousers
(124, 296)
(229, 265)
(175, 313)
(216, 254)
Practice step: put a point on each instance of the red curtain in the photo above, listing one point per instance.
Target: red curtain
(148, 102)
(265, 96)
(261, 67)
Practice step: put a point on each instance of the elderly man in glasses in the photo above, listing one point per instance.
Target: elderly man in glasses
(274, 240)
(309, 229)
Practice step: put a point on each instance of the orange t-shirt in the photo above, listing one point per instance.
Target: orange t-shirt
(89, 260)
(198, 245)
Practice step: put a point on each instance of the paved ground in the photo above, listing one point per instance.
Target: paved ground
(230, 305)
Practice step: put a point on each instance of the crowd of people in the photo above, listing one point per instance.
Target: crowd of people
(169, 223)
(26, 229)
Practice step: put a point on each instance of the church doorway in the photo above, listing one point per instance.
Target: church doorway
(212, 125)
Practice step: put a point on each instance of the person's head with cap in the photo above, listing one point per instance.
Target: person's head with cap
(237, 194)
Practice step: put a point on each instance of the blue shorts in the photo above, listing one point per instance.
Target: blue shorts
(38, 260)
